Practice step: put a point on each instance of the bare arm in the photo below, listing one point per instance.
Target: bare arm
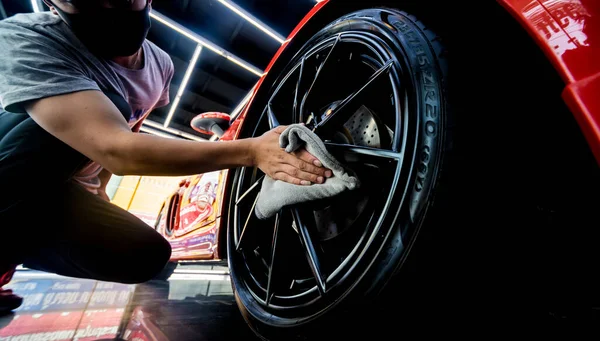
(89, 122)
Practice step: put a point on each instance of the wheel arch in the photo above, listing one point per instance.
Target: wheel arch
(159, 216)
(221, 251)
(451, 20)
(172, 210)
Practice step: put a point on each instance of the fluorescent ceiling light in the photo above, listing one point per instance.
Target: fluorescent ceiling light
(254, 21)
(243, 103)
(155, 132)
(193, 36)
(35, 6)
(204, 42)
(172, 131)
(184, 83)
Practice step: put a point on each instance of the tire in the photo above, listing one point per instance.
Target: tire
(423, 135)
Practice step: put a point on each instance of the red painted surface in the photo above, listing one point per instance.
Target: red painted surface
(194, 216)
(582, 99)
(568, 31)
(208, 115)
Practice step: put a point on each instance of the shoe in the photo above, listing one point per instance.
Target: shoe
(8, 300)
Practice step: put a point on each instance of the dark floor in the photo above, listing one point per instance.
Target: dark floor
(197, 303)
(194, 304)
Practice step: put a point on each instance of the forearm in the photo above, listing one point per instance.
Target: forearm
(143, 154)
(90, 123)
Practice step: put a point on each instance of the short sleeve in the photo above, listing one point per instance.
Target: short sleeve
(168, 71)
(34, 66)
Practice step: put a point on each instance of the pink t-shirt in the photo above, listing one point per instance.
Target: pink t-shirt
(145, 89)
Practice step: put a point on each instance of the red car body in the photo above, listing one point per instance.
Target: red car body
(567, 31)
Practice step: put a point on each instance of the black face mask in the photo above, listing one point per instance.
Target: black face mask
(110, 32)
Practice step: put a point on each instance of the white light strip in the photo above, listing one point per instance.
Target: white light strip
(202, 41)
(251, 19)
(155, 132)
(240, 106)
(183, 85)
(45, 275)
(35, 6)
(198, 277)
(179, 133)
(200, 271)
(155, 125)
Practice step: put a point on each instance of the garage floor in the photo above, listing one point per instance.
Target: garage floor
(194, 304)
(197, 303)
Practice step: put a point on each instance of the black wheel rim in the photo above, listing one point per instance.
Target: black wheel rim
(284, 264)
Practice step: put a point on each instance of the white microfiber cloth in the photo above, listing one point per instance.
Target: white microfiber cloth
(276, 194)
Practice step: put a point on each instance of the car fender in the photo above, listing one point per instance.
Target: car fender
(568, 32)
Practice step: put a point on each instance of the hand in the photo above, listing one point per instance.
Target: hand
(298, 168)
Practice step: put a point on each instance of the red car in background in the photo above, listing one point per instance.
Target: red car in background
(474, 126)
(189, 218)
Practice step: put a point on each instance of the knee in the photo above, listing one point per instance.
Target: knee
(155, 254)
(160, 251)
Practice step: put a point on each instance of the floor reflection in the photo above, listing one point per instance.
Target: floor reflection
(196, 303)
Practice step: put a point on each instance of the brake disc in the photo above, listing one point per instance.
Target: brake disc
(361, 129)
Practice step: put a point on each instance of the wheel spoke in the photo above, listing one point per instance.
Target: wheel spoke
(252, 188)
(351, 154)
(270, 291)
(250, 215)
(351, 103)
(303, 104)
(298, 84)
(273, 123)
(312, 254)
